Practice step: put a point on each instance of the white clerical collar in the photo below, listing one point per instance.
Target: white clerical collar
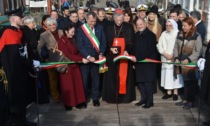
(197, 22)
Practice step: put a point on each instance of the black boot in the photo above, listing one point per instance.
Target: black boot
(166, 96)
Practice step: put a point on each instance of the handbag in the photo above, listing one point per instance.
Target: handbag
(56, 55)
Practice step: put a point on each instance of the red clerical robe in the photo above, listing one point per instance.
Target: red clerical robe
(72, 89)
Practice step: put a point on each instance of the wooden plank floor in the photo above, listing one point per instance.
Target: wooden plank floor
(164, 113)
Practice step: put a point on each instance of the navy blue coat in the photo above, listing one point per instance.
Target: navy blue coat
(85, 46)
(201, 29)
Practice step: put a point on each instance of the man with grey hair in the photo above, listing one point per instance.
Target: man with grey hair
(145, 47)
(200, 27)
(119, 84)
(91, 43)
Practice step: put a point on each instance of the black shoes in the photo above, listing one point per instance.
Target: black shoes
(146, 106)
(181, 103)
(82, 106)
(175, 97)
(206, 123)
(187, 105)
(140, 103)
(166, 96)
(96, 103)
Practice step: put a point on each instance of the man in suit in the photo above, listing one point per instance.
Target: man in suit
(200, 27)
(145, 47)
(86, 35)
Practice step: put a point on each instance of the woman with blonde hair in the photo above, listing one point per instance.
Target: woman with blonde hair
(153, 23)
(182, 15)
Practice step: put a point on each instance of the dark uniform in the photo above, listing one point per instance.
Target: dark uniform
(15, 66)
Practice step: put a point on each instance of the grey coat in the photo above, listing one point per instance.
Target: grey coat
(189, 49)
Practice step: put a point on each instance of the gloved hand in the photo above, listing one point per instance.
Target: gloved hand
(36, 63)
(201, 64)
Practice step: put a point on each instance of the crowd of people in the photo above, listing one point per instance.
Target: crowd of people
(86, 37)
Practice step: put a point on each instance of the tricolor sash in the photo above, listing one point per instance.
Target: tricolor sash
(123, 68)
(91, 36)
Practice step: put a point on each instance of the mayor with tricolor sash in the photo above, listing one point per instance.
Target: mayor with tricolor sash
(91, 43)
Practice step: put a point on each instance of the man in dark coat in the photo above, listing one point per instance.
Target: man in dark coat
(145, 47)
(91, 42)
(200, 27)
(14, 64)
(101, 20)
(174, 15)
(205, 82)
(115, 90)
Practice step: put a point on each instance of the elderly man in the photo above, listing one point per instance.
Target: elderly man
(15, 63)
(145, 47)
(49, 39)
(200, 27)
(91, 43)
(119, 80)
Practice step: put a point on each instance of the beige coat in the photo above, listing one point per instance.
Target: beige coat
(48, 40)
(191, 50)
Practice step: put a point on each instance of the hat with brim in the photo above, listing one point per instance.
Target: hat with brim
(18, 12)
(110, 10)
(142, 7)
(154, 9)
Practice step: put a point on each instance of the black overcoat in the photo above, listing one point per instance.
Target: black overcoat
(205, 81)
(145, 47)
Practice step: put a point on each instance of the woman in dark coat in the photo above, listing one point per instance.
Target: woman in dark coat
(145, 47)
(72, 89)
(111, 85)
(30, 40)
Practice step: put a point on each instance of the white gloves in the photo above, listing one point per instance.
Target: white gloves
(201, 64)
(36, 63)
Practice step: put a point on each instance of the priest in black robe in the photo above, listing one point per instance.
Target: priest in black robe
(116, 87)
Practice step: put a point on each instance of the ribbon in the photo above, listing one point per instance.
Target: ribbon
(49, 65)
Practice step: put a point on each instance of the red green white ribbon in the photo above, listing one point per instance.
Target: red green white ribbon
(91, 36)
(103, 60)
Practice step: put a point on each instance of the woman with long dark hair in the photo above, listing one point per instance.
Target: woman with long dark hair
(72, 90)
(129, 18)
(187, 49)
